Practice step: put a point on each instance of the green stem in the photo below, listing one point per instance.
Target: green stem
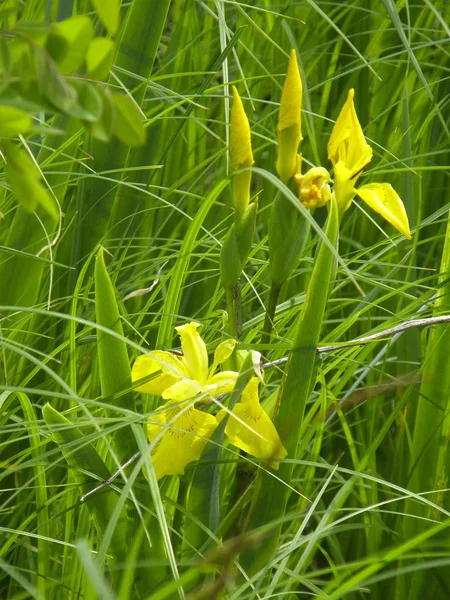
(270, 313)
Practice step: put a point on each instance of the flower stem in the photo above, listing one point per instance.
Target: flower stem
(270, 313)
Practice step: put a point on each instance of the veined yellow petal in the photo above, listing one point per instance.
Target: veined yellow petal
(222, 382)
(347, 142)
(289, 121)
(170, 367)
(254, 432)
(383, 199)
(182, 442)
(195, 355)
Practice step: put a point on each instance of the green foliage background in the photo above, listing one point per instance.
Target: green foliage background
(369, 512)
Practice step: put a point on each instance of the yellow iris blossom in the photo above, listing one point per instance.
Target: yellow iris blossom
(180, 379)
(251, 429)
(350, 153)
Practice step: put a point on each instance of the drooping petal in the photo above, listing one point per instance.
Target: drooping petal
(256, 434)
(222, 382)
(170, 367)
(195, 355)
(289, 122)
(182, 442)
(347, 142)
(383, 199)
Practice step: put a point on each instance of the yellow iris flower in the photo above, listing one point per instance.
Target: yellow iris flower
(350, 153)
(250, 427)
(180, 379)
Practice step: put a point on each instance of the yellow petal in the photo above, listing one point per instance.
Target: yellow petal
(344, 186)
(223, 351)
(182, 442)
(195, 355)
(182, 390)
(222, 383)
(289, 121)
(171, 368)
(256, 434)
(347, 142)
(314, 189)
(383, 199)
(241, 153)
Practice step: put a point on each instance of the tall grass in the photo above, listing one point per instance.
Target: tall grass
(368, 509)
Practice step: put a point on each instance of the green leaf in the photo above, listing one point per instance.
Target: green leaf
(53, 85)
(113, 361)
(25, 181)
(109, 13)
(13, 121)
(99, 57)
(129, 127)
(5, 57)
(89, 106)
(69, 43)
(103, 128)
(272, 492)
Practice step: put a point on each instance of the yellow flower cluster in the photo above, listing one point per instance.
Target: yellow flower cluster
(182, 429)
(348, 152)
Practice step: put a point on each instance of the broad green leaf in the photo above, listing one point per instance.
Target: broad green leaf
(26, 181)
(89, 106)
(103, 128)
(52, 84)
(13, 121)
(69, 43)
(109, 13)
(113, 360)
(99, 57)
(5, 57)
(129, 126)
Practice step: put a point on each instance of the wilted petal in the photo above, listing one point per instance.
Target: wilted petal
(314, 190)
(347, 142)
(182, 442)
(171, 368)
(222, 382)
(256, 435)
(383, 199)
(195, 355)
